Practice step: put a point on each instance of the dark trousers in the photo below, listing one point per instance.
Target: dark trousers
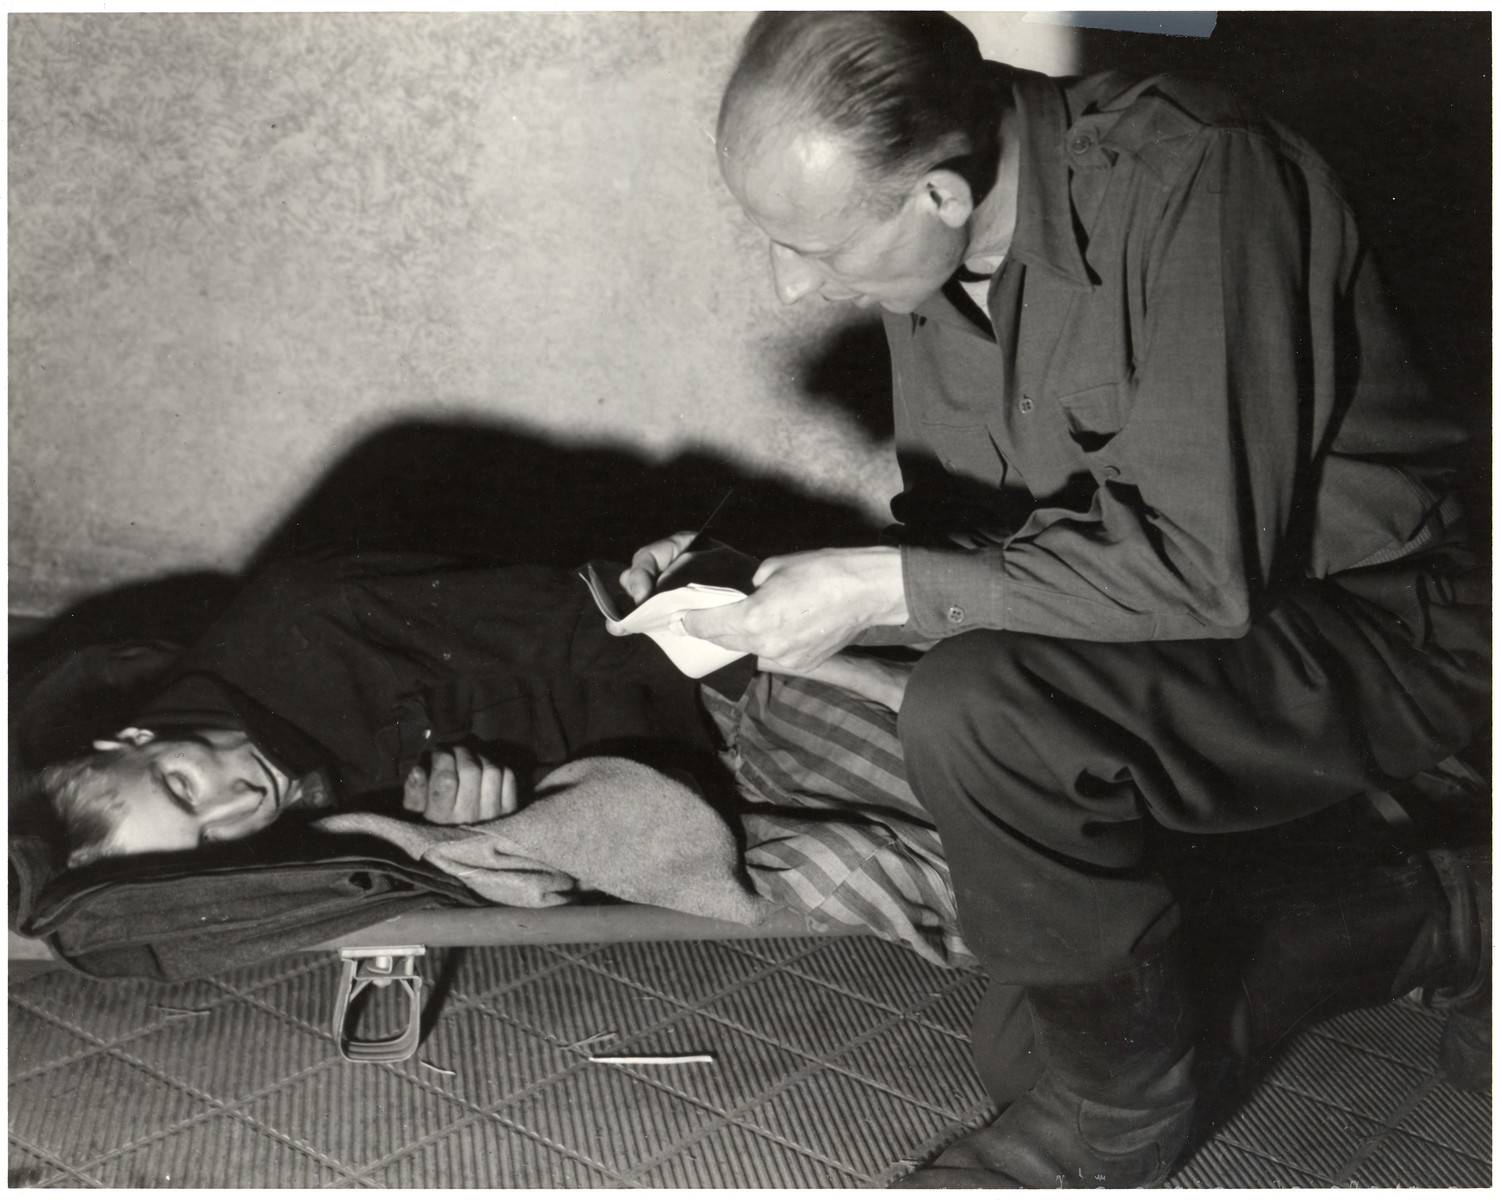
(1045, 762)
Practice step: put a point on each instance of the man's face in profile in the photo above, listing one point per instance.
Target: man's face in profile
(177, 793)
(805, 189)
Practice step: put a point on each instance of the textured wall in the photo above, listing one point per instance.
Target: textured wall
(242, 244)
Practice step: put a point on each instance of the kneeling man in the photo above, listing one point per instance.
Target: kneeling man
(1177, 513)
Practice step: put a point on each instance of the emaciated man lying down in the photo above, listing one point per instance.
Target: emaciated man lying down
(373, 683)
(547, 758)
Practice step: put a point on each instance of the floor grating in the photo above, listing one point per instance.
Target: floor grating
(837, 1064)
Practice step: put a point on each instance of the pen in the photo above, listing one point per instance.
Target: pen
(704, 527)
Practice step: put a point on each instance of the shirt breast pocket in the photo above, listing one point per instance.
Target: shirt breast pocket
(967, 451)
(1096, 415)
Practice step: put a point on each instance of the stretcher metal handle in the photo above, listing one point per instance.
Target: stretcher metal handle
(380, 966)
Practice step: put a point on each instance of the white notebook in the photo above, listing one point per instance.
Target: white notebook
(695, 657)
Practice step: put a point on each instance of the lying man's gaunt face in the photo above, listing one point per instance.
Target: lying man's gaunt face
(181, 791)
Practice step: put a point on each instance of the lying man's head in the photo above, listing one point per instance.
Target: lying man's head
(139, 793)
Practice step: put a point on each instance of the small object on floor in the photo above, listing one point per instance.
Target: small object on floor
(652, 1059)
(592, 1039)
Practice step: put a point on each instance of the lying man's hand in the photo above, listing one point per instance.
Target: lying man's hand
(807, 606)
(459, 787)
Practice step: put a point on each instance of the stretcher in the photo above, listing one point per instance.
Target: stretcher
(385, 952)
(384, 955)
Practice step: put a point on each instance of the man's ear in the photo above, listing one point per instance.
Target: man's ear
(948, 197)
(129, 736)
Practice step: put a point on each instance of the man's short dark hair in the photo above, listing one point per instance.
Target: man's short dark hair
(84, 795)
(908, 91)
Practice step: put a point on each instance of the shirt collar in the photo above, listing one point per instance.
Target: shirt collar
(1044, 235)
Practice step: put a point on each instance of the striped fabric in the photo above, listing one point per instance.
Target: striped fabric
(832, 828)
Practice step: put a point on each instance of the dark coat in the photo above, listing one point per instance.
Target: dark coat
(359, 663)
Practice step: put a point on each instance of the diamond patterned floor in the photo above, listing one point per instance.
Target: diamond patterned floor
(836, 1063)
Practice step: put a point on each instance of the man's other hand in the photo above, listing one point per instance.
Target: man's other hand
(807, 606)
(648, 564)
(459, 787)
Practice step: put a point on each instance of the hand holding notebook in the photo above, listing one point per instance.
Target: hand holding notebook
(700, 578)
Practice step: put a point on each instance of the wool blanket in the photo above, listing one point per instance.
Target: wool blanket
(595, 824)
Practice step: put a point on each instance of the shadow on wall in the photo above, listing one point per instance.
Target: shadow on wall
(456, 488)
(466, 489)
(851, 371)
(506, 492)
(1399, 104)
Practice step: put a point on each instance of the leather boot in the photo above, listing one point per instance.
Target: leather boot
(1115, 1103)
(1465, 1048)
(1386, 931)
(1002, 1043)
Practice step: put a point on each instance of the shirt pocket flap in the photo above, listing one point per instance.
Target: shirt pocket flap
(1095, 415)
(966, 450)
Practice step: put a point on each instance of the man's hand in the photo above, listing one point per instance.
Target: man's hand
(649, 563)
(807, 606)
(459, 787)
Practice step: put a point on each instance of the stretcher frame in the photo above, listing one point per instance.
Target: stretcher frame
(409, 934)
(384, 954)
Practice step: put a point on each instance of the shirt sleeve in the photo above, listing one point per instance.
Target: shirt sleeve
(1194, 513)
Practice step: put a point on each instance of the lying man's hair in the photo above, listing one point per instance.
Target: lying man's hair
(84, 795)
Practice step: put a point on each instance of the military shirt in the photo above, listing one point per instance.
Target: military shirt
(1192, 394)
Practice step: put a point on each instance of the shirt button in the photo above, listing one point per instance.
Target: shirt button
(1080, 143)
(1025, 404)
(956, 614)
